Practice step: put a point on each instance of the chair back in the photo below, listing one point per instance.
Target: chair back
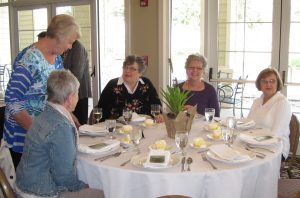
(294, 135)
(5, 187)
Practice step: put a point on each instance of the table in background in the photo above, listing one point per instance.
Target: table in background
(254, 179)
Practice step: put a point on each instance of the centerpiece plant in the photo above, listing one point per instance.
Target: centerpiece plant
(175, 100)
(177, 118)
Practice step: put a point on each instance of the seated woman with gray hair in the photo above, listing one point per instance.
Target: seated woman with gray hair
(130, 91)
(48, 164)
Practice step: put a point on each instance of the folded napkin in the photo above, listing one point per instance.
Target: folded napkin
(137, 118)
(157, 159)
(92, 130)
(258, 139)
(227, 153)
(99, 148)
(245, 124)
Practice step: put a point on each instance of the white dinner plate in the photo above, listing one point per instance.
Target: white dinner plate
(139, 160)
(250, 139)
(217, 158)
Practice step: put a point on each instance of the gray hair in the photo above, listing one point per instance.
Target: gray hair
(131, 59)
(61, 26)
(60, 84)
(197, 57)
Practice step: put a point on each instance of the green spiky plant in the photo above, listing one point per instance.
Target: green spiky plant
(174, 99)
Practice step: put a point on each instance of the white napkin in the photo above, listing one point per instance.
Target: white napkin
(251, 139)
(136, 118)
(225, 152)
(245, 124)
(149, 164)
(110, 145)
(92, 130)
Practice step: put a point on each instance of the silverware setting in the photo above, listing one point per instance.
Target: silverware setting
(126, 162)
(258, 154)
(189, 162)
(110, 156)
(258, 147)
(182, 164)
(204, 158)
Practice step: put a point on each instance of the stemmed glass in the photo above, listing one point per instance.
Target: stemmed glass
(127, 114)
(155, 110)
(97, 114)
(111, 127)
(135, 136)
(209, 114)
(231, 124)
(181, 140)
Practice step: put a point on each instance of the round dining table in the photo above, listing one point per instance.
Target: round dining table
(255, 178)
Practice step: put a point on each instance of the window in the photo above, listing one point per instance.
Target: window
(186, 33)
(5, 57)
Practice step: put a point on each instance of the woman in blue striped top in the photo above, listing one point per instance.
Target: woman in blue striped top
(25, 96)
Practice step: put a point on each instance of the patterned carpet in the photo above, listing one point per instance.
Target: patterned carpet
(294, 173)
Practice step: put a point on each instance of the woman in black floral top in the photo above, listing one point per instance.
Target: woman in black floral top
(131, 91)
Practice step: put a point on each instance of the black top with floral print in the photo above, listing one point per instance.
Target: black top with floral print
(114, 98)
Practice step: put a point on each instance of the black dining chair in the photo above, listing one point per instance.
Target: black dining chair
(232, 95)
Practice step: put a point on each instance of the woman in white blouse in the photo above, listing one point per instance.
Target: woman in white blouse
(272, 110)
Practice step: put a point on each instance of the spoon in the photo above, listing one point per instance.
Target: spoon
(189, 161)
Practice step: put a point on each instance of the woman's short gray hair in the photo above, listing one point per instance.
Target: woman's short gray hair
(60, 84)
(197, 57)
(131, 59)
(61, 26)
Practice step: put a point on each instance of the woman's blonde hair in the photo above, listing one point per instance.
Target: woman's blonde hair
(196, 57)
(61, 26)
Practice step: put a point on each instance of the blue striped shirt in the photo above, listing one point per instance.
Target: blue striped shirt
(26, 90)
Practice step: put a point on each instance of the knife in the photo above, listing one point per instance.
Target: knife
(182, 164)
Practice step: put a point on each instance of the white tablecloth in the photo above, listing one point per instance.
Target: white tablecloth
(254, 179)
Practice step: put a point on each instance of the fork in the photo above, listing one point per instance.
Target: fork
(204, 158)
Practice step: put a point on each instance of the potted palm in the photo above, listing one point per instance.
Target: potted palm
(176, 118)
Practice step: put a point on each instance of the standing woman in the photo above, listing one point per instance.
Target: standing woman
(272, 110)
(25, 95)
(131, 90)
(202, 93)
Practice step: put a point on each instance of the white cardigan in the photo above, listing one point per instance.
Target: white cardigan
(275, 114)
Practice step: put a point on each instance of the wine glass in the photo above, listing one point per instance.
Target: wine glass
(155, 110)
(111, 127)
(209, 114)
(181, 140)
(135, 136)
(127, 114)
(97, 114)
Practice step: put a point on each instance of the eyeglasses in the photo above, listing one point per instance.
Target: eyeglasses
(195, 68)
(131, 69)
(265, 82)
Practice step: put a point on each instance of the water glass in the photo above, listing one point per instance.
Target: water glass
(228, 136)
(97, 114)
(209, 114)
(111, 127)
(181, 140)
(231, 122)
(155, 110)
(127, 114)
(135, 136)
